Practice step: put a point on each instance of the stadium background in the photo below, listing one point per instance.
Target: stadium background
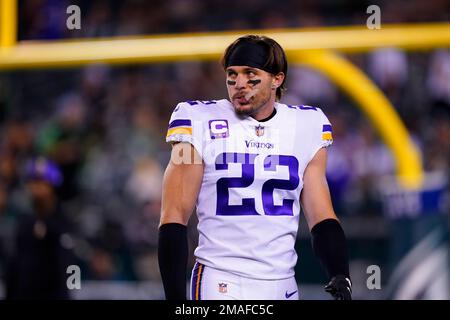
(105, 126)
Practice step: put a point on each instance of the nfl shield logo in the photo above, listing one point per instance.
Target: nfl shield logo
(259, 130)
(223, 287)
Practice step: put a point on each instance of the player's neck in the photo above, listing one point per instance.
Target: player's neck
(274, 112)
(265, 113)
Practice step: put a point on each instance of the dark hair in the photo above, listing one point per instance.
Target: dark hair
(276, 57)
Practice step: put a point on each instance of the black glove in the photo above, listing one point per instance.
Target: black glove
(340, 287)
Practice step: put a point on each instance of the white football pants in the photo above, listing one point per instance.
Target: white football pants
(211, 284)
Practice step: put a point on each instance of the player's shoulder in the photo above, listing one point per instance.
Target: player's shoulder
(303, 112)
(200, 105)
(201, 109)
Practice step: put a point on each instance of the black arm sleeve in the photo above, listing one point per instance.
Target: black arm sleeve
(172, 258)
(329, 245)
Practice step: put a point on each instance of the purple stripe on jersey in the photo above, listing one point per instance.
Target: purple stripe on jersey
(180, 123)
(327, 127)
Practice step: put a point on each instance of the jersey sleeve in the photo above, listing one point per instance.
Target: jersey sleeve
(326, 133)
(184, 128)
(323, 133)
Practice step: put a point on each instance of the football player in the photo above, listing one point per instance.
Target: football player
(246, 165)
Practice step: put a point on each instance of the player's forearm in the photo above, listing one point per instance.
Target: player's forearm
(330, 246)
(172, 258)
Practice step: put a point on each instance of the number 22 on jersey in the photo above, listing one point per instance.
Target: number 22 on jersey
(247, 161)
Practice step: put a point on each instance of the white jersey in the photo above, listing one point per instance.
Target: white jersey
(248, 206)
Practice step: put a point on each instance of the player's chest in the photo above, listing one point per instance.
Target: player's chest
(267, 150)
(246, 137)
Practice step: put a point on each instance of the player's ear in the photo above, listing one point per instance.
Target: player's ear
(277, 80)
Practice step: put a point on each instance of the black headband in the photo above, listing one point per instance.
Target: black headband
(252, 55)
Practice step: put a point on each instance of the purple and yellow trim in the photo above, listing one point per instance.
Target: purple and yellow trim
(180, 126)
(327, 132)
(196, 284)
(180, 123)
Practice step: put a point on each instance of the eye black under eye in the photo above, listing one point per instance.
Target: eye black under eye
(254, 82)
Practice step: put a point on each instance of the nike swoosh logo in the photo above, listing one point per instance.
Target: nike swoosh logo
(288, 295)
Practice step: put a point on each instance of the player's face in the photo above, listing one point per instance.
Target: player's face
(250, 89)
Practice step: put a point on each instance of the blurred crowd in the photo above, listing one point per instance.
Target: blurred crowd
(103, 127)
(46, 19)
